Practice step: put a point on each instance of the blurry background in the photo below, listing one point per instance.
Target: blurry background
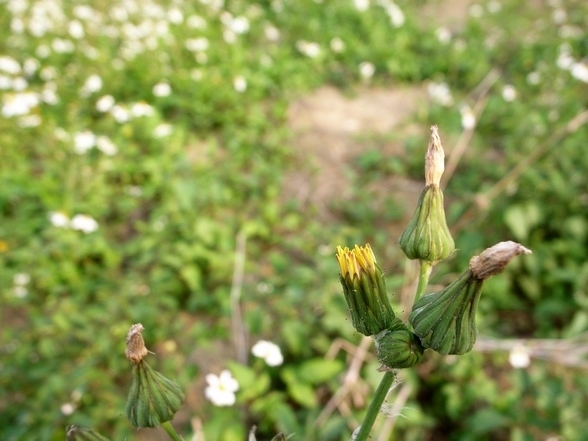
(193, 165)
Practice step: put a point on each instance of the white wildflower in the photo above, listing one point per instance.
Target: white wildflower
(361, 5)
(270, 352)
(240, 84)
(175, 16)
(75, 30)
(239, 25)
(106, 146)
(67, 409)
(21, 279)
(197, 44)
(105, 103)
(120, 113)
(468, 119)
(18, 104)
(337, 45)
(509, 93)
(196, 22)
(443, 34)
(366, 70)
(141, 109)
(221, 389)
(82, 222)
(308, 48)
(93, 84)
(440, 93)
(59, 219)
(519, 357)
(396, 15)
(163, 130)
(271, 32)
(84, 141)
(9, 65)
(162, 89)
(580, 71)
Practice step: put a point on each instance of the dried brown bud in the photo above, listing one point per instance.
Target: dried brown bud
(493, 260)
(136, 349)
(434, 159)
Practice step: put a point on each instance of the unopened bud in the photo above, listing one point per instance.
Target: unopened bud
(445, 321)
(493, 260)
(427, 236)
(136, 349)
(398, 349)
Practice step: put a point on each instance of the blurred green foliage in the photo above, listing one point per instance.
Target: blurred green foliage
(198, 166)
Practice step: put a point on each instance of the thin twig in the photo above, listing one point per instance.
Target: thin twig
(237, 326)
(466, 136)
(483, 200)
(350, 382)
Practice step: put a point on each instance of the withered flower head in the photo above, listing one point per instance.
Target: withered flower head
(136, 349)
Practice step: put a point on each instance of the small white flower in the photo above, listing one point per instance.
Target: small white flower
(106, 146)
(366, 70)
(197, 44)
(19, 84)
(141, 109)
(519, 357)
(163, 130)
(84, 223)
(580, 71)
(20, 291)
(239, 25)
(9, 65)
(175, 16)
(19, 104)
(67, 409)
(84, 141)
(62, 46)
(93, 84)
(120, 113)
(509, 93)
(396, 15)
(270, 352)
(468, 119)
(162, 89)
(43, 51)
(337, 45)
(443, 34)
(271, 32)
(533, 78)
(196, 22)
(440, 93)
(221, 389)
(21, 279)
(240, 84)
(361, 5)
(30, 66)
(308, 48)
(105, 103)
(75, 29)
(58, 219)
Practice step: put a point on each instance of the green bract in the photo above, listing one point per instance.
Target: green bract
(427, 236)
(397, 349)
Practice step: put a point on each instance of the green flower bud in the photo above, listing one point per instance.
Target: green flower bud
(75, 433)
(427, 236)
(445, 320)
(153, 398)
(365, 290)
(398, 349)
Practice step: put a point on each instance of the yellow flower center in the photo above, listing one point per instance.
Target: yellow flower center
(352, 262)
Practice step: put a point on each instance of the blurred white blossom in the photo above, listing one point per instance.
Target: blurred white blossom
(84, 141)
(105, 103)
(366, 70)
(468, 119)
(308, 48)
(443, 34)
(21, 279)
(163, 130)
(396, 15)
(519, 357)
(106, 146)
(197, 44)
(271, 32)
(580, 71)
(196, 22)
(509, 93)
(221, 388)
(240, 84)
(162, 89)
(84, 223)
(67, 409)
(533, 78)
(59, 219)
(141, 109)
(75, 30)
(9, 65)
(440, 93)
(18, 104)
(120, 113)
(93, 84)
(269, 352)
(361, 5)
(337, 45)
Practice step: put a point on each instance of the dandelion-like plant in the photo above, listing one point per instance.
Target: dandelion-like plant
(443, 321)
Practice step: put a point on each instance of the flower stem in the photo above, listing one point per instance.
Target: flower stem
(171, 431)
(425, 272)
(375, 405)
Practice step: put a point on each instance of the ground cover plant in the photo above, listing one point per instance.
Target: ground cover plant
(144, 151)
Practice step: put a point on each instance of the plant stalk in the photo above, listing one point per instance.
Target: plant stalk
(171, 431)
(424, 273)
(375, 405)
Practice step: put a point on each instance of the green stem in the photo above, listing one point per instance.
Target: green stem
(375, 405)
(171, 431)
(425, 272)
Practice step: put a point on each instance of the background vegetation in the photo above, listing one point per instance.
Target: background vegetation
(181, 172)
